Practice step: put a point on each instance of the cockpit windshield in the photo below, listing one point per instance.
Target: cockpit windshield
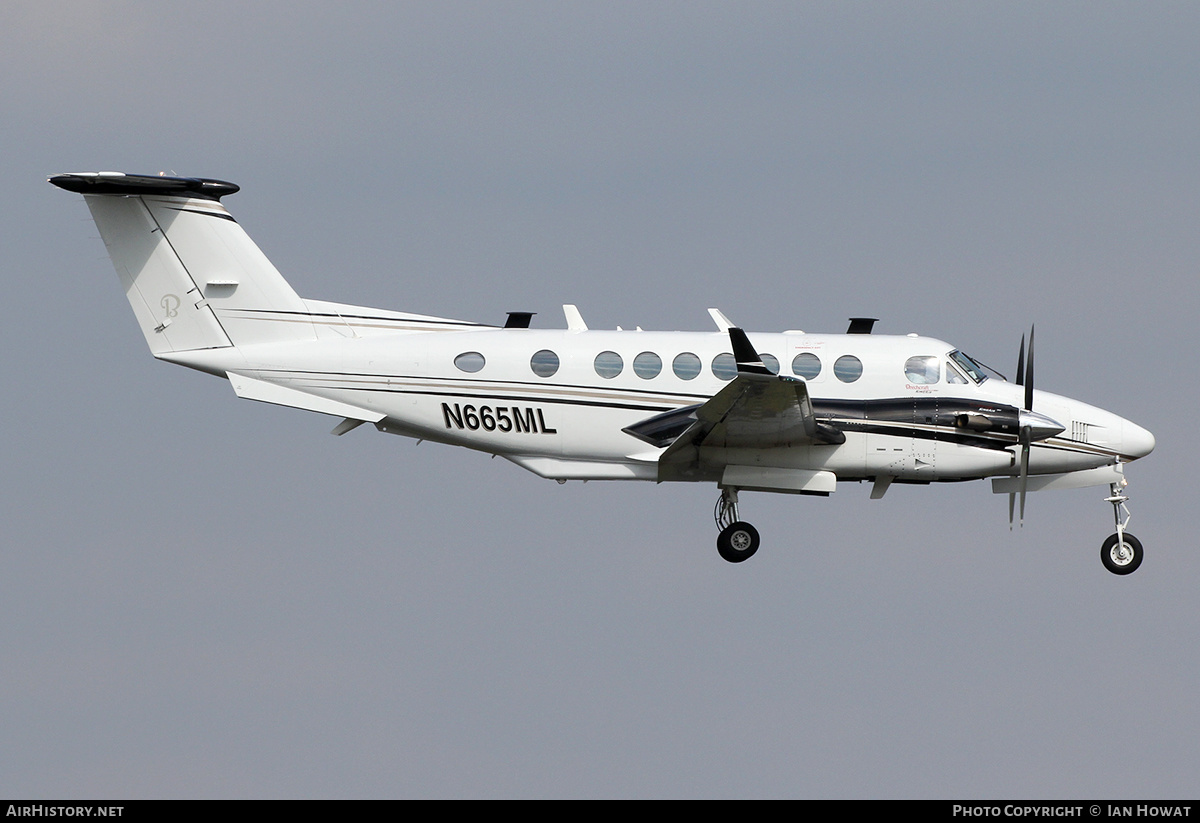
(975, 370)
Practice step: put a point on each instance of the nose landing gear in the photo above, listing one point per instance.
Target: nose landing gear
(1121, 553)
(738, 541)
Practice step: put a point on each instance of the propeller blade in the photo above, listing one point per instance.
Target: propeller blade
(1024, 479)
(1026, 439)
(1021, 363)
(1029, 375)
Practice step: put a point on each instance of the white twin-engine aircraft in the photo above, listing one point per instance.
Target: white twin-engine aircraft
(790, 412)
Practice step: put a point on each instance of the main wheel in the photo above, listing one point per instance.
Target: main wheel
(1121, 556)
(737, 542)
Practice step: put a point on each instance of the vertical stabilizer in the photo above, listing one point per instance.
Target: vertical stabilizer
(193, 276)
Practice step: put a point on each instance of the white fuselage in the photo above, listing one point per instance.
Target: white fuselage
(569, 424)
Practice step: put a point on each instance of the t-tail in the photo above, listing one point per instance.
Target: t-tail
(193, 276)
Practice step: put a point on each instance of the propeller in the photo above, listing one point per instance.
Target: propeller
(1025, 422)
(1031, 426)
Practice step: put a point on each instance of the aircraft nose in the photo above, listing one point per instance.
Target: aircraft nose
(1136, 441)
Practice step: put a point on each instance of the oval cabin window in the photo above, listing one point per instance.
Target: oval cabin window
(544, 363)
(847, 368)
(469, 361)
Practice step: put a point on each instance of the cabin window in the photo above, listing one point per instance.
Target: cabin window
(544, 363)
(724, 367)
(609, 364)
(469, 361)
(770, 361)
(847, 368)
(922, 370)
(686, 366)
(806, 365)
(647, 365)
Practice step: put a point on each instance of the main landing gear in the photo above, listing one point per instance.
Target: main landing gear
(1121, 553)
(738, 540)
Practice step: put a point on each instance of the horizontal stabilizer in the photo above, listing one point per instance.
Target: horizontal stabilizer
(115, 182)
(251, 388)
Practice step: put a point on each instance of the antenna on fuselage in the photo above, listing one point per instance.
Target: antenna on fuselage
(574, 318)
(861, 325)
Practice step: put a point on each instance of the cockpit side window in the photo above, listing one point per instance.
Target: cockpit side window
(953, 376)
(922, 370)
(973, 369)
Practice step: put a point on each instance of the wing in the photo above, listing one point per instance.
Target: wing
(757, 410)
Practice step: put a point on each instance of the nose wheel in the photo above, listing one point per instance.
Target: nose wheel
(738, 540)
(1121, 553)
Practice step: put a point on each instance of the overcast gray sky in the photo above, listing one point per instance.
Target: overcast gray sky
(210, 597)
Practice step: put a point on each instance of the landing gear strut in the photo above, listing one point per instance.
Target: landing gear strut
(1121, 553)
(738, 540)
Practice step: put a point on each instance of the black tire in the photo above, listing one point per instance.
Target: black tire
(737, 542)
(1121, 562)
